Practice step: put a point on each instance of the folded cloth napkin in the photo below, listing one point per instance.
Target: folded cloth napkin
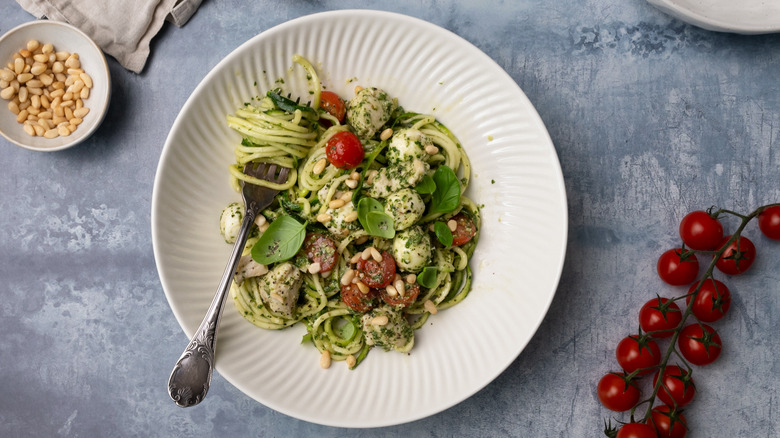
(122, 28)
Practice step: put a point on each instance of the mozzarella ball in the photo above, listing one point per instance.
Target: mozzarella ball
(230, 221)
(412, 249)
(406, 207)
(369, 110)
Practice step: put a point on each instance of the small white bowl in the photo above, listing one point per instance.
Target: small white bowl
(67, 38)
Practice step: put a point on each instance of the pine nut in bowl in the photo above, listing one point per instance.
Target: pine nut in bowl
(55, 86)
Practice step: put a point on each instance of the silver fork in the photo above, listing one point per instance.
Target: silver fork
(191, 376)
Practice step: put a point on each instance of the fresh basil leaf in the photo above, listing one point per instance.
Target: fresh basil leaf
(379, 223)
(427, 278)
(446, 197)
(345, 329)
(280, 242)
(366, 205)
(443, 233)
(426, 186)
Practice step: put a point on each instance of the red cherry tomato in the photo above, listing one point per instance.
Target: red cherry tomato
(636, 430)
(321, 249)
(616, 394)
(637, 352)
(676, 268)
(659, 316)
(405, 300)
(332, 104)
(668, 422)
(677, 388)
(377, 274)
(769, 222)
(344, 150)
(699, 230)
(699, 344)
(738, 256)
(357, 300)
(712, 301)
(464, 231)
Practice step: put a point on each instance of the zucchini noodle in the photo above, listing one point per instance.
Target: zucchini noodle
(428, 274)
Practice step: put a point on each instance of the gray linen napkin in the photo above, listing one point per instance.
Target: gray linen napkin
(122, 28)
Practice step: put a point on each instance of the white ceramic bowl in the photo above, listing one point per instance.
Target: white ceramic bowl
(68, 38)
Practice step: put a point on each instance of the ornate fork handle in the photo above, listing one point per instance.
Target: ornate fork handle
(191, 376)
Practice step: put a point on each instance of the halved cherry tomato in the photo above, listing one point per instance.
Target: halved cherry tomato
(677, 268)
(465, 230)
(701, 231)
(738, 256)
(377, 274)
(699, 344)
(637, 352)
(321, 249)
(405, 300)
(659, 316)
(769, 222)
(636, 430)
(617, 395)
(357, 300)
(668, 422)
(677, 387)
(712, 301)
(344, 150)
(332, 103)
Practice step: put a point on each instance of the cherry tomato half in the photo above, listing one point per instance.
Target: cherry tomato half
(699, 230)
(464, 231)
(659, 316)
(332, 104)
(405, 300)
(677, 268)
(677, 387)
(357, 300)
(321, 249)
(344, 150)
(636, 430)
(769, 222)
(738, 256)
(699, 344)
(712, 301)
(377, 274)
(637, 352)
(668, 422)
(617, 395)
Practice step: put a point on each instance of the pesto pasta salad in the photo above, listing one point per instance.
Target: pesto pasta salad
(370, 235)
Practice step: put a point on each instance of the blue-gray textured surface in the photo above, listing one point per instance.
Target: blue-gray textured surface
(651, 118)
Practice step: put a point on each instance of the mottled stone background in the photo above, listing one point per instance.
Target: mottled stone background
(651, 118)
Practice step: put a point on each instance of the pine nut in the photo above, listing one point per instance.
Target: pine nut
(321, 218)
(75, 121)
(355, 258)
(19, 66)
(13, 107)
(366, 254)
(391, 290)
(400, 287)
(47, 48)
(352, 216)
(358, 88)
(61, 56)
(38, 68)
(386, 134)
(347, 277)
(33, 45)
(452, 224)
(84, 93)
(81, 112)
(22, 116)
(8, 93)
(336, 203)
(430, 307)
(380, 320)
(58, 93)
(346, 196)
(431, 150)
(325, 360)
(63, 131)
(320, 166)
(315, 268)
(351, 361)
(44, 115)
(57, 67)
(351, 183)
(363, 287)
(51, 133)
(375, 254)
(86, 78)
(361, 240)
(411, 278)
(7, 75)
(355, 175)
(28, 128)
(39, 130)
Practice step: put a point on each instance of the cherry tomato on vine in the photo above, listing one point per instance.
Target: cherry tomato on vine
(699, 344)
(699, 230)
(677, 387)
(636, 430)
(769, 222)
(636, 352)
(659, 316)
(616, 394)
(668, 422)
(738, 256)
(678, 268)
(712, 301)
(344, 150)
(332, 104)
